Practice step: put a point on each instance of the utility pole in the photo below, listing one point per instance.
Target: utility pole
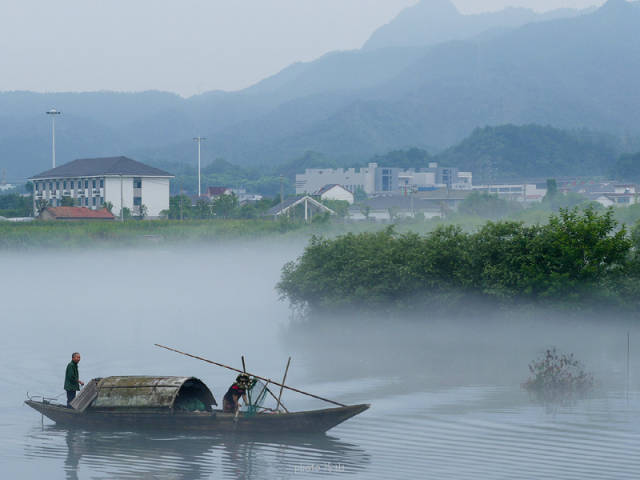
(180, 200)
(121, 199)
(53, 112)
(199, 140)
(281, 189)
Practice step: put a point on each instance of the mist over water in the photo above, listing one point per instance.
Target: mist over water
(445, 393)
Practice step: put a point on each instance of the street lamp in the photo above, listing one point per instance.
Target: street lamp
(199, 140)
(53, 112)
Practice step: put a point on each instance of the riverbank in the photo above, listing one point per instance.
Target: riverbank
(39, 234)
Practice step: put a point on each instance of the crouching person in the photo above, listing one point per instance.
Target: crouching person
(230, 402)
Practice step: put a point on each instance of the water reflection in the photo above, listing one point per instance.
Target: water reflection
(149, 455)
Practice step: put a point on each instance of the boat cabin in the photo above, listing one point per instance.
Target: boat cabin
(187, 394)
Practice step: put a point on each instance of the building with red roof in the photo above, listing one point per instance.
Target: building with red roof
(75, 213)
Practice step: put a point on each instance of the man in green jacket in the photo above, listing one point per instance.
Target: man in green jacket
(72, 381)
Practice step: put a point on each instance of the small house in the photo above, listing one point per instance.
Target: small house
(335, 192)
(74, 213)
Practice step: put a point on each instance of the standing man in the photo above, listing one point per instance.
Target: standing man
(72, 381)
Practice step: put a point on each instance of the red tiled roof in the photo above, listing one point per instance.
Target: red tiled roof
(79, 212)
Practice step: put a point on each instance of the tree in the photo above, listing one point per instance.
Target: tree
(142, 211)
(41, 204)
(108, 206)
(341, 207)
(202, 209)
(179, 207)
(365, 210)
(225, 205)
(579, 258)
(359, 195)
(67, 202)
(125, 213)
(16, 205)
(485, 205)
(552, 189)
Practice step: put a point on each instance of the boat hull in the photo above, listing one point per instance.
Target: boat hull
(313, 421)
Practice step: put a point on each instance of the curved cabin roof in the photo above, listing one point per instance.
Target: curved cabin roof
(149, 392)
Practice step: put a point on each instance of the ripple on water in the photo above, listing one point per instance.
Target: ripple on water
(460, 433)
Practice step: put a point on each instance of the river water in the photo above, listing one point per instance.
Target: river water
(445, 394)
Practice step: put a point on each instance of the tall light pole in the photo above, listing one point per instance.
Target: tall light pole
(53, 112)
(199, 140)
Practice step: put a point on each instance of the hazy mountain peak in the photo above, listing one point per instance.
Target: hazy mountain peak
(433, 7)
(436, 21)
(614, 6)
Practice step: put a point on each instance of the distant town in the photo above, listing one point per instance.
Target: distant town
(113, 188)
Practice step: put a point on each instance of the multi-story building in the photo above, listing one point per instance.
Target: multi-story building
(519, 192)
(91, 182)
(375, 179)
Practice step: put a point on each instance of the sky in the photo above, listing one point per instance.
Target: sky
(188, 46)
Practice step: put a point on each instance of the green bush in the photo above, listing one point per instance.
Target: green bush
(578, 258)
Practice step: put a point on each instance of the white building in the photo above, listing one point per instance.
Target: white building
(91, 182)
(315, 179)
(520, 192)
(376, 179)
(335, 192)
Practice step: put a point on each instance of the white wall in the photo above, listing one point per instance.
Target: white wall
(155, 195)
(112, 193)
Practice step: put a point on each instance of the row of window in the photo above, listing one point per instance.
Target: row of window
(82, 202)
(69, 184)
(78, 184)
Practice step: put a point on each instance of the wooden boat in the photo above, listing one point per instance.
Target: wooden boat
(130, 403)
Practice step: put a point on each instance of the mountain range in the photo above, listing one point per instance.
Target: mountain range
(427, 79)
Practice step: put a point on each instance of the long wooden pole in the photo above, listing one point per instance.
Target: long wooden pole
(256, 376)
(284, 380)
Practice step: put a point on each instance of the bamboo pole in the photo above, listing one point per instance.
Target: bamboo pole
(244, 369)
(274, 396)
(256, 376)
(284, 380)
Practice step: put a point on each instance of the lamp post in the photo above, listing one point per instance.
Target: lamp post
(53, 112)
(199, 140)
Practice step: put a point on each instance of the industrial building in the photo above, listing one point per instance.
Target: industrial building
(376, 179)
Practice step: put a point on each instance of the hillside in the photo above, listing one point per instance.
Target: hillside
(509, 152)
(353, 105)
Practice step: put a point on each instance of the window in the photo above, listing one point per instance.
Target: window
(93, 184)
(93, 201)
(64, 185)
(102, 183)
(86, 184)
(137, 183)
(386, 180)
(50, 185)
(86, 201)
(137, 201)
(53, 202)
(101, 201)
(72, 184)
(57, 185)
